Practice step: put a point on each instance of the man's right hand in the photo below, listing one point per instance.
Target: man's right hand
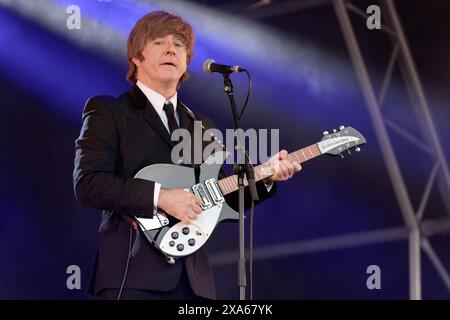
(180, 204)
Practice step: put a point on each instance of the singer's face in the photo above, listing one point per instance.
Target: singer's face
(165, 61)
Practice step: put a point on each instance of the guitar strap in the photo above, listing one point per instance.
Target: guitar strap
(197, 173)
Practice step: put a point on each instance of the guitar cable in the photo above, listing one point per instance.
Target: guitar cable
(125, 274)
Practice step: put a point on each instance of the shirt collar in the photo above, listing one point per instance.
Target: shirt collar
(156, 99)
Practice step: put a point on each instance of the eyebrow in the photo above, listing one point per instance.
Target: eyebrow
(176, 38)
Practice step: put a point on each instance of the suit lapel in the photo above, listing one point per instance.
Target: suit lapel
(154, 120)
(140, 101)
(186, 122)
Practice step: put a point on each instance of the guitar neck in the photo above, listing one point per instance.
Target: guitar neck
(262, 171)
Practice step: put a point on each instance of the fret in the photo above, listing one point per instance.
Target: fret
(258, 175)
(228, 184)
(262, 169)
(231, 182)
(303, 154)
(312, 155)
(268, 169)
(222, 187)
(226, 187)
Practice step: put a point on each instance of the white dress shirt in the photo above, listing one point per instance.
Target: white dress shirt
(158, 102)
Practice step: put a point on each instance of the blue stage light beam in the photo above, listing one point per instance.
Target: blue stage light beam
(224, 37)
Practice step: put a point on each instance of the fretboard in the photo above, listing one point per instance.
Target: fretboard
(262, 171)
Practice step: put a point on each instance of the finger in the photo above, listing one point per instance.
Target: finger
(196, 200)
(291, 171)
(192, 216)
(298, 167)
(289, 166)
(186, 220)
(275, 170)
(196, 209)
(194, 213)
(284, 172)
(275, 157)
(283, 154)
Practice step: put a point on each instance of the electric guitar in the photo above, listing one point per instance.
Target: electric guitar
(177, 239)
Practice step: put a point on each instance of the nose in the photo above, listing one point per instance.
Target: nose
(170, 48)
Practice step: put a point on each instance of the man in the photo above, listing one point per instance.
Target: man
(122, 135)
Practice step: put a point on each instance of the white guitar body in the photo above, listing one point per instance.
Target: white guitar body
(181, 239)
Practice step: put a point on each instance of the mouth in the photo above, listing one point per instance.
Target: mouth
(168, 64)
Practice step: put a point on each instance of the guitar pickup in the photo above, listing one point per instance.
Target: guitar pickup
(200, 191)
(214, 191)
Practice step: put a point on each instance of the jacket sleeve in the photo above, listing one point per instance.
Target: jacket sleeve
(94, 179)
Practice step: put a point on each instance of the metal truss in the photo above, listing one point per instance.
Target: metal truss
(417, 230)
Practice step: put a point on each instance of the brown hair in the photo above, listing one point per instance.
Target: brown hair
(151, 26)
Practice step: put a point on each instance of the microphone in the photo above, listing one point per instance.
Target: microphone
(209, 66)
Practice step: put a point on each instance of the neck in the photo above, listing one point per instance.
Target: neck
(166, 90)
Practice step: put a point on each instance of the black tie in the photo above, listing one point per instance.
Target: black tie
(168, 109)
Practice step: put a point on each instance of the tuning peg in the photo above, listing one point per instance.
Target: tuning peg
(342, 156)
(349, 152)
(325, 133)
(334, 130)
(341, 128)
(357, 149)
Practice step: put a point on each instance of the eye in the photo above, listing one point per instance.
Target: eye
(179, 44)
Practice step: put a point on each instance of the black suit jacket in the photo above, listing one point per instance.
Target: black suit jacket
(119, 137)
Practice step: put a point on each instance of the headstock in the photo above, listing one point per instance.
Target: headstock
(339, 141)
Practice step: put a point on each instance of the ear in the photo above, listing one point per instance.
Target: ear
(136, 61)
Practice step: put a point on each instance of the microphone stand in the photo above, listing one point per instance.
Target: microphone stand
(241, 170)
